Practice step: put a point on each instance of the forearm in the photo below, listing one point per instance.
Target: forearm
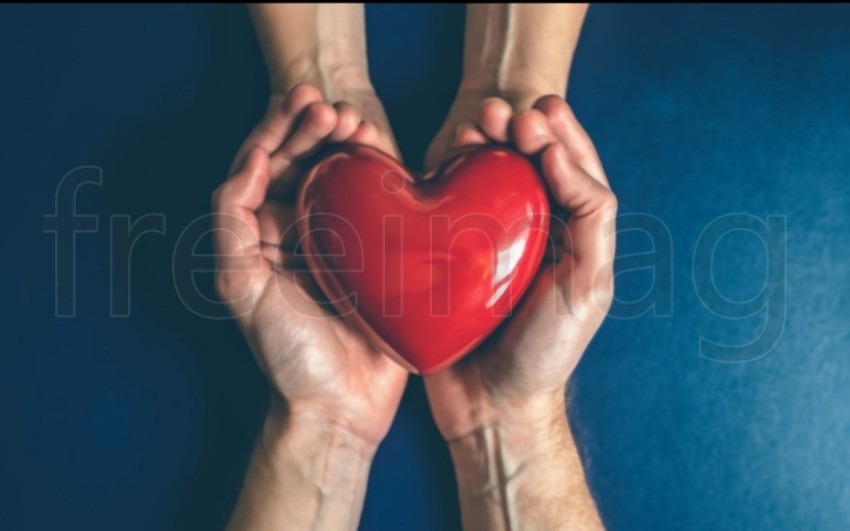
(321, 44)
(305, 473)
(520, 48)
(523, 475)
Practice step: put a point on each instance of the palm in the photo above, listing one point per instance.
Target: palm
(536, 350)
(532, 351)
(312, 355)
(314, 360)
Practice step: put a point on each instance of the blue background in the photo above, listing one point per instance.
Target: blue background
(147, 422)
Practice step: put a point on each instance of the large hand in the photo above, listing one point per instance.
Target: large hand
(323, 370)
(518, 377)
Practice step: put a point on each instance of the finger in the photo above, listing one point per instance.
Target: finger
(467, 134)
(235, 201)
(348, 119)
(236, 231)
(568, 130)
(531, 132)
(318, 121)
(494, 116)
(270, 133)
(592, 207)
(368, 134)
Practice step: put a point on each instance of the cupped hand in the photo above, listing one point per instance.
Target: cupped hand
(320, 369)
(518, 376)
(483, 111)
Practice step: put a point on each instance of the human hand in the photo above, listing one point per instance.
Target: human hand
(484, 111)
(334, 395)
(502, 408)
(517, 378)
(322, 371)
(374, 129)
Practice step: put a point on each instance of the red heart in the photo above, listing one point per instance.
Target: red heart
(426, 269)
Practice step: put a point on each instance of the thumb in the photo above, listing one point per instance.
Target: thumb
(236, 229)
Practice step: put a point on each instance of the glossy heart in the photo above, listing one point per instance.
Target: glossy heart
(426, 269)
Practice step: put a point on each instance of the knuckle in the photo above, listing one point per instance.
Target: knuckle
(304, 90)
(608, 202)
(322, 115)
(349, 116)
(527, 114)
(495, 101)
(228, 286)
(551, 103)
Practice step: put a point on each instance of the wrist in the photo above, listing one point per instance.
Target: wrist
(326, 459)
(348, 82)
(317, 443)
(517, 413)
(306, 473)
(506, 470)
(521, 97)
(529, 427)
(523, 82)
(337, 81)
(334, 76)
(501, 453)
(530, 472)
(493, 440)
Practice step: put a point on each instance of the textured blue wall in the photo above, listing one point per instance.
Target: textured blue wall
(698, 112)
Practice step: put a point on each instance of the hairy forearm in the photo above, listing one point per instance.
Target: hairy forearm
(516, 475)
(321, 44)
(520, 47)
(305, 474)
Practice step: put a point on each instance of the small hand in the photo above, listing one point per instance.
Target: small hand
(479, 115)
(518, 376)
(322, 370)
